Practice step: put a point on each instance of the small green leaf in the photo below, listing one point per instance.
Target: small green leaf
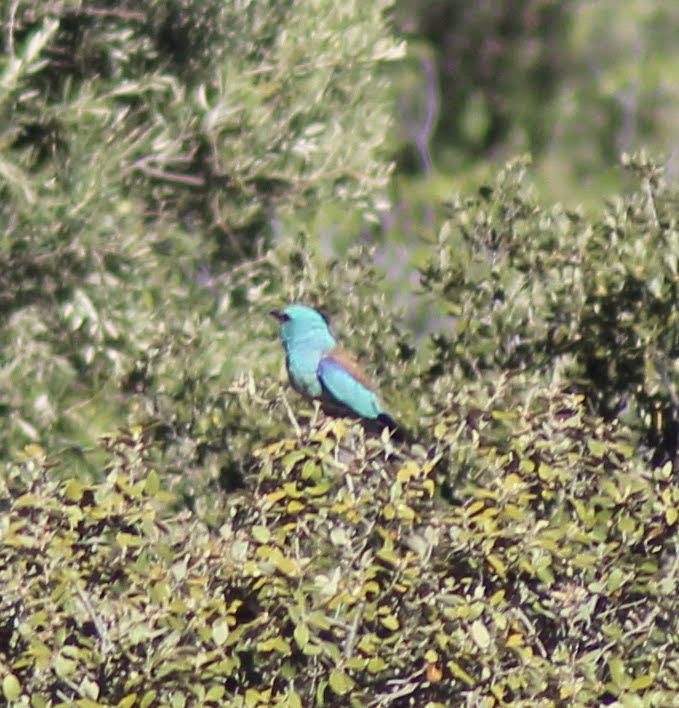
(376, 664)
(301, 635)
(292, 700)
(215, 694)
(618, 672)
(125, 540)
(87, 703)
(74, 490)
(220, 631)
(148, 698)
(261, 534)
(310, 470)
(11, 687)
(596, 447)
(275, 644)
(152, 484)
(340, 682)
(615, 580)
(480, 634)
(90, 688)
(641, 683)
(457, 671)
(390, 622)
(63, 666)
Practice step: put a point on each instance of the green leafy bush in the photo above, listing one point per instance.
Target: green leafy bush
(521, 550)
(336, 576)
(590, 303)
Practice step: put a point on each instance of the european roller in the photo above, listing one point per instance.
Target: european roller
(320, 370)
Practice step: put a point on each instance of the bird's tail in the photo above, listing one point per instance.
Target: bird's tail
(398, 432)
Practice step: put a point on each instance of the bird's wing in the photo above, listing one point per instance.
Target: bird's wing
(342, 360)
(345, 383)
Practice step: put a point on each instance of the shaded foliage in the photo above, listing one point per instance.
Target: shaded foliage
(591, 303)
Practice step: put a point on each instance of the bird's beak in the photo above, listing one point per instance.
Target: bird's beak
(277, 314)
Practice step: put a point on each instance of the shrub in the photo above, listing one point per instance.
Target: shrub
(337, 577)
(587, 302)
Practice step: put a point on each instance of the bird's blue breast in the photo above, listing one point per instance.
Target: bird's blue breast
(302, 364)
(306, 338)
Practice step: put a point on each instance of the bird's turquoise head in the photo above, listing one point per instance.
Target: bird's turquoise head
(303, 326)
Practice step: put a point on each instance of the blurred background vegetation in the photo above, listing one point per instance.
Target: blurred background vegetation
(473, 191)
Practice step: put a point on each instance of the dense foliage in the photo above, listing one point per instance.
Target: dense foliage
(135, 167)
(336, 578)
(166, 537)
(591, 303)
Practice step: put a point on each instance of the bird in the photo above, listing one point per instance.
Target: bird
(321, 370)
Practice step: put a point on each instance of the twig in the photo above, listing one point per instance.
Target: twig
(651, 200)
(291, 415)
(529, 625)
(227, 275)
(106, 643)
(409, 686)
(112, 12)
(168, 176)
(10, 33)
(350, 641)
(421, 134)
